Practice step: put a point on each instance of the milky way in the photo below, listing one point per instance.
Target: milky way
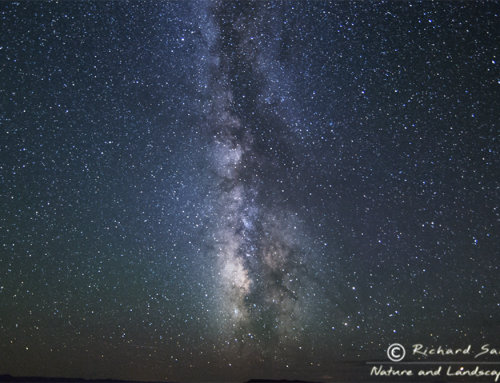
(266, 265)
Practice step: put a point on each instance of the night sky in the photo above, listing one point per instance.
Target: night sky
(200, 191)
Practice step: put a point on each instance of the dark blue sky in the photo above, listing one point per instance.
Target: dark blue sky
(225, 191)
